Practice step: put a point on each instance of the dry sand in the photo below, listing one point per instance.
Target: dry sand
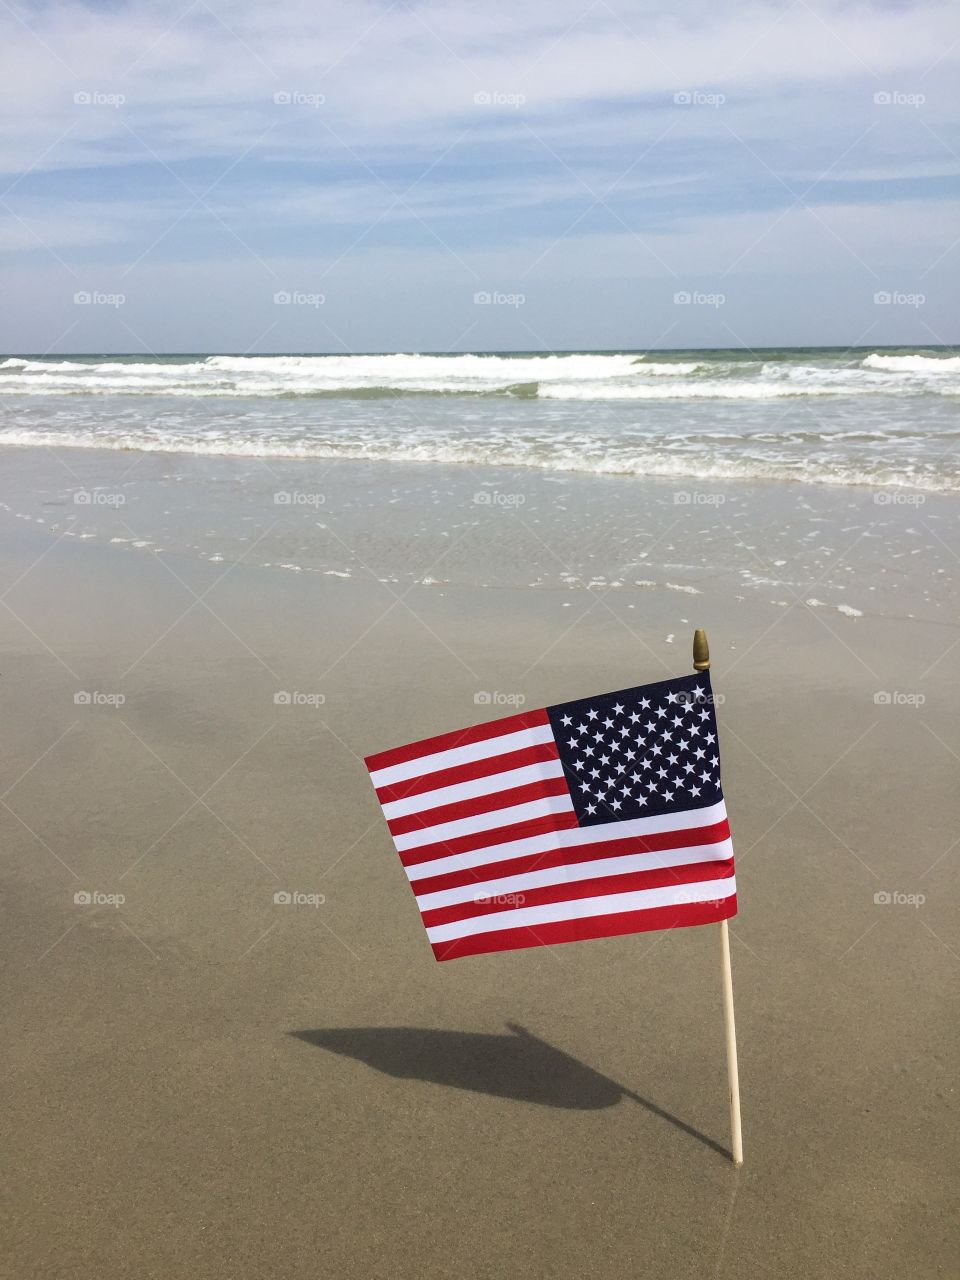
(201, 1083)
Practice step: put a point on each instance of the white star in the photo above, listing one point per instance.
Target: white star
(655, 750)
(635, 778)
(668, 795)
(591, 714)
(604, 759)
(661, 711)
(566, 720)
(698, 691)
(591, 808)
(644, 704)
(594, 773)
(641, 799)
(618, 710)
(695, 791)
(694, 728)
(682, 744)
(704, 714)
(688, 768)
(699, 753)
(608, 723)
(650, 727)
(616, 804)
(672, 759)
(571, 742)
(709, 738)
(634, 718)
(678, 722)
(705, 776)
(661, 773)
(598, 737)
(630, 755)
(667, 735)
(672, 697)
(624, 791)
(581, 728)
(588, 751)
(585, 786)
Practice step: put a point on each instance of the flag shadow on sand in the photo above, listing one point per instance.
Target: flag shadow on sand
(518, 1066)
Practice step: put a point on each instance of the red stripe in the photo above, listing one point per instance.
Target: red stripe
(544, 935)
(568, 891)
(500, 835)
(468, 772)
(579, 853)
(459, 738)
(542, 789)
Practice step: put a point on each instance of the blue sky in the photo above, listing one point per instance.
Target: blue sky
(585, 165)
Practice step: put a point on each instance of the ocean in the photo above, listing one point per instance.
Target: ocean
(818, 416)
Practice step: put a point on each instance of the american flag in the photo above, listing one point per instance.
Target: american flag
(584, 820)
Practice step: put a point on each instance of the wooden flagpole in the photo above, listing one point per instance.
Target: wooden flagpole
(701, 662)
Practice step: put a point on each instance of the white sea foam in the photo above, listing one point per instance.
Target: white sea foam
(914, 364)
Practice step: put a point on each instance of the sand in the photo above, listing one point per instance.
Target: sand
(202, 1082)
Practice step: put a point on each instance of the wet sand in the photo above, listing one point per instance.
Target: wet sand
(203, 1082)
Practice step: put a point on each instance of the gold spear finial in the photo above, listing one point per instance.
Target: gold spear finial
(701, 651)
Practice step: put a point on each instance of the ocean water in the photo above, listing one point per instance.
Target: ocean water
(858, 417)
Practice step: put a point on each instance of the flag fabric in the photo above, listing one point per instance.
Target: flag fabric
(588, 819)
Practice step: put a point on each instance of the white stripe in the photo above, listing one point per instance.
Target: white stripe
(570, 872)
(585, 908)
(471, 790)
(466, 754)
(569, 838)
(484, 822)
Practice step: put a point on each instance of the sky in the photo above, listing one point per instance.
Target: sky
(235, 176)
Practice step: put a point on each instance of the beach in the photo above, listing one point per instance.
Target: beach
(230, 1050)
